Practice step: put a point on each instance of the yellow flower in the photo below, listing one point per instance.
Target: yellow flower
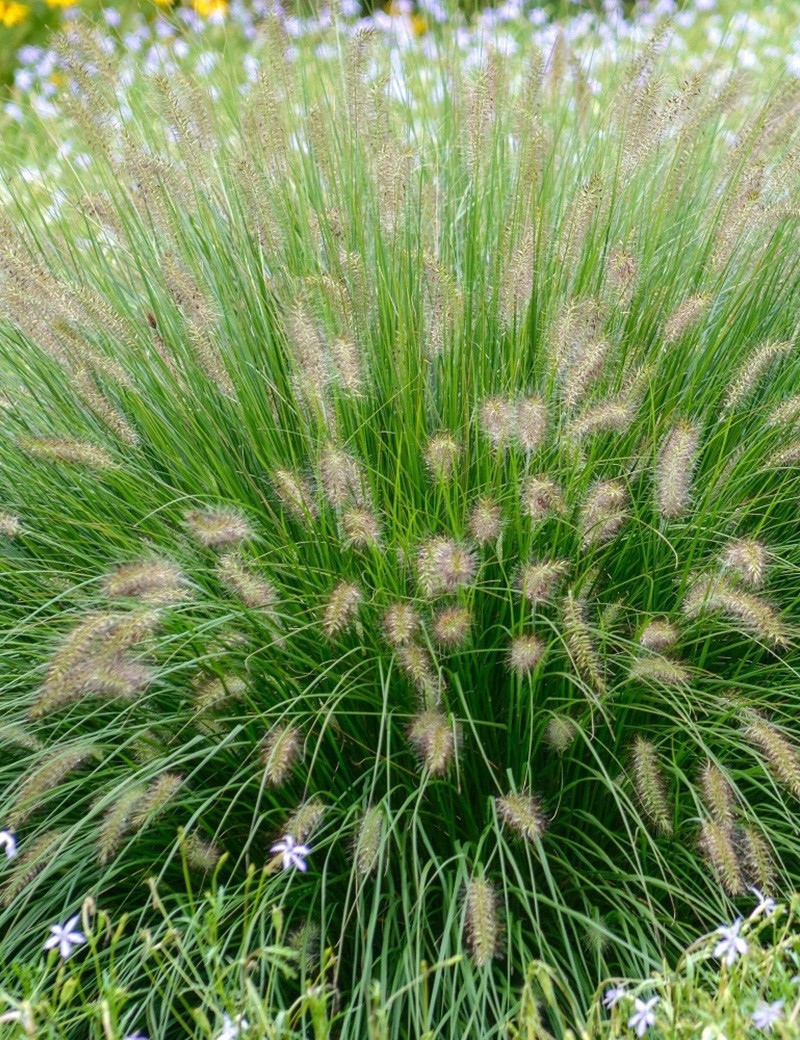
(418, 25)
(208, 7)
(12, 13)
(60, 3)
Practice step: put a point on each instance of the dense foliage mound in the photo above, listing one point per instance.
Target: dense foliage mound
(419, 482)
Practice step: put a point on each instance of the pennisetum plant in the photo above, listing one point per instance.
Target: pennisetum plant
(431, 508)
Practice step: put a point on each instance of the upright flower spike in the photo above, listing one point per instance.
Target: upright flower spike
(341, 477)
(649, 783)
(441, 456)
(445, 565)
(280, 751)
(400, 624)
(341, 609)
(747, 558)
(434, 738)
(482, 926)
(498, 421)
(603, 512)
(522, 813)
(538, 580)
(485, 521)
(717, 843)
(451, 626)
(532, 423)
(676, 462)
(525, 653)
(294, 494)
(541, 497)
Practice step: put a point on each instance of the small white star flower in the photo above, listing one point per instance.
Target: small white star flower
(765, 904)
(643, 1015)
(65, 937)
(292, 853)
(766, 1015)
(232, 1028)
(731, 945)
(613, 995)
(9, 843)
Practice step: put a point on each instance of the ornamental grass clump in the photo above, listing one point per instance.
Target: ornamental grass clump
(432, 512)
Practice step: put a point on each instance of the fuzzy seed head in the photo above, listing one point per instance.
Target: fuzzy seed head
(525, 653)
(759, 864)
(717, 793)
(279, 753)
(685, 315)
(781, 755)
(442, 455)
(217, 528)
(305, 820)
(347, 364)
(253, 591)
(786, 413)
(361, 528)
(676, 462)
(340, 476)
(482, 928)
(658, 635)
(72, 453)
(560, 733)
(532, 423)
(523, 814)
(657, 669)
(754, 615)
(341, 609)
(294, 494)
(497, 419)
(37, 855)
(611, 416)
(451, 626)
(718, 847)
(201, 855)
(445, 566)
(117, 822)
(158, 795)
(217, 692)
(748, 559)
(648, 782)
(46, 776)
(604, 512)
(537, 581)
(580, 643)
(152, 581)
(10, 525)
(752, 370)
(541, 496)
(400, 623)
(417, 664)
(367, 842)
(434, 738)
(485, 521)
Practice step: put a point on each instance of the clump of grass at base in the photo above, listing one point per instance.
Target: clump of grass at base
(407, 500)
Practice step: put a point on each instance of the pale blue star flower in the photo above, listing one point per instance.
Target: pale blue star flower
(731, 945)
(65, 937)
(613, 996)
(643, 1015)
(766, 1015)
(292, 853)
